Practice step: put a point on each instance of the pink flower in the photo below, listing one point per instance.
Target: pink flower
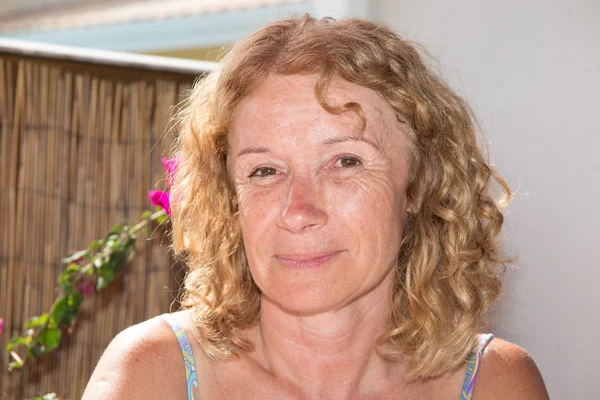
(170, 166)
(1, 324)
(86, 288)
(160, 198)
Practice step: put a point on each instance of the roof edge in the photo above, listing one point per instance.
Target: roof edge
(105, 57)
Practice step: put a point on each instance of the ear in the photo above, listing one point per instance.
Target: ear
(407, 216)
(411, 208)
(414, 205)
(407, 219)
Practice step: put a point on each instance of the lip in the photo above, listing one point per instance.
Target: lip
(306, 260)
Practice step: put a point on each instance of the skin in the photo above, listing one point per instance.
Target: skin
(308, 183)
(322, 209)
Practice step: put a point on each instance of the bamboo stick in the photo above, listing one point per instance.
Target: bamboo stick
(115, 172)
(134, 199)
(52, 209)
(78, 221)
(68, 126)
(4, 120)
(124, 181)
(36, 244)
(14, 207)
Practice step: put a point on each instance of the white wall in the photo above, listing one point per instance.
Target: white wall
(343, 8)
(18, 6)
(531, 70)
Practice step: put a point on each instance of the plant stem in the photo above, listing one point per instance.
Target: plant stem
(124, 235)
(143, 223)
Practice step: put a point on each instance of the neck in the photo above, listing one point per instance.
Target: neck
(331, 353)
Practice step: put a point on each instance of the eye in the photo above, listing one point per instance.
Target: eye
(263, 171)
(348, 161)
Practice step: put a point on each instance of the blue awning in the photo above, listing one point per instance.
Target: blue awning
(151, 25)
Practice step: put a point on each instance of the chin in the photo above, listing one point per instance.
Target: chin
(310, 298)
(304, 299)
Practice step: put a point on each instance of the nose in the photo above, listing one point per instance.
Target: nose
(302, 211)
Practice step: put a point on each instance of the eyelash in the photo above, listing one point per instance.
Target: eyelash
(350, 157)
(254, 173)
(356, 159)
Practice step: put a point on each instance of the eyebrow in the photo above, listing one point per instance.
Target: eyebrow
(253, 150)
(342, 139)
(334, 140)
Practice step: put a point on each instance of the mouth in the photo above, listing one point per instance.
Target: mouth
(306, 260)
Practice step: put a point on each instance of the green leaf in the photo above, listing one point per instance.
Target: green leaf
(106, 276)
(36, 350)
(29, 336)
(94, 244)
(117, 259)
(131, 240)
(102, 283)
(14, 342)
(58, 312)
(146, 214)
(64, 279)
(114, 232)
(162, 218)
(131, 256)
(87, 269)
(49, 396)
(50, 339)
(36, 321)
(76, 256)
(74, 300)
(65, 310)
(14, 365)
(98, 261)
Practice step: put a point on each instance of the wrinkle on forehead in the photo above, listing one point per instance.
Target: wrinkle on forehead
(268, 105)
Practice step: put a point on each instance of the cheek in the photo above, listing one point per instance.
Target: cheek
(257, 210)
(253, 204)
(364, 199)
(370, 206)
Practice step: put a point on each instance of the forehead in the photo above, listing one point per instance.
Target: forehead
(288, 103)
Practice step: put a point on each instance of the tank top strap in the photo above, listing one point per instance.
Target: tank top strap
(473, 366)
(188, 357)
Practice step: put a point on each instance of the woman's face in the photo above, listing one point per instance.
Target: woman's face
(322, 207)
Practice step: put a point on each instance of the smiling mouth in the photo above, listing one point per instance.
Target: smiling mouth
(306, 260)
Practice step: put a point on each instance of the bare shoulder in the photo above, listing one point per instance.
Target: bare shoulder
(142, 362)
(508, 372)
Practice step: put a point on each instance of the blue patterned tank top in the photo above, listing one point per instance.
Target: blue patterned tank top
(188, 357)
(192, 381)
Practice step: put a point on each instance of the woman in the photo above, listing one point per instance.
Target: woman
(335, 213)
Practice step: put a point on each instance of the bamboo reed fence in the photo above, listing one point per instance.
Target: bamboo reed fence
(80, 146)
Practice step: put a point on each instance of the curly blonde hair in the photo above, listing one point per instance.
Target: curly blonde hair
(449, 262)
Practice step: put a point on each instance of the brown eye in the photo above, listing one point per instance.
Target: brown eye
(264, 171)
(347, 162)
